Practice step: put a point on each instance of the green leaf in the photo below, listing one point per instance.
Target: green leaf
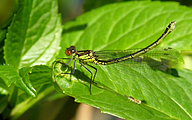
(154, 88)
(34, 34)
(89, 5)
(34, 78)
(40, 75)
(25, 83)
(131, 26)
(122, 26)
(4, 90)
(20, 79)
(9, 74)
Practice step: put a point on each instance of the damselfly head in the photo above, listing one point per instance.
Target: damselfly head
(70, 50)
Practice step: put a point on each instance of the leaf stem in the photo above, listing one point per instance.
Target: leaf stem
(11, 104)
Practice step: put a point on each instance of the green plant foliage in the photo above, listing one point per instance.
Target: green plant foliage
(126, 26)
(33, 36)
(10, 75)
(33, 41)
(90, 4)
(2, 35)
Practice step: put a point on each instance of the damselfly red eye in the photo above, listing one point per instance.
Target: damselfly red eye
(68, 52)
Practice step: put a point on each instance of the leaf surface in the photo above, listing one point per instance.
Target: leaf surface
(125, 26)
(34, 34)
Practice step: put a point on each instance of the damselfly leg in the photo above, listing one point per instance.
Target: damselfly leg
(92, 77)
(60, 60)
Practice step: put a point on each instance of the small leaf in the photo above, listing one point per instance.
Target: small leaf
(10, 75)
(25, 83)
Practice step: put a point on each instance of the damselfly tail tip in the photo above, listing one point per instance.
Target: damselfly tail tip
(172, 25)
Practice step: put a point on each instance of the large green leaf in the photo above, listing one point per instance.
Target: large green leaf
(34, 34)
(122, 26)
(33, 38)
(89, 4)
(126, 25)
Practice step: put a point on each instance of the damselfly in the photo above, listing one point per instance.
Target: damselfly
(106, 58)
